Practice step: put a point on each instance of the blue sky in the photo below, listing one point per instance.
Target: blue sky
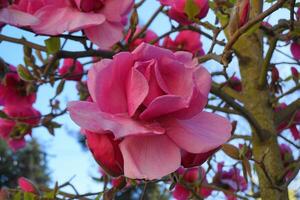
(66, 157)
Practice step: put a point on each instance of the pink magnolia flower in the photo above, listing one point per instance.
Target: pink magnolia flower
(105, 151)
(190, 176)
(230, 180)
(178, 11)
(287, 125)
(295, 50)
(13, 90)
(26, 185)
(25, 115)
(147, 37)
(101, 20)
(71, 69)
(21, 12)
(185, 41)
(152, 101)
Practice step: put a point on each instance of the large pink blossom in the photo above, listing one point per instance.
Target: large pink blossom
(101, 20)
(13, 90)
(185, 41)
(178, 10)
(152, 100)
(21, 12)
(25, 115)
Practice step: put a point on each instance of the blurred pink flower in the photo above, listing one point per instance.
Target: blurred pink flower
(289, 125)
(152, 100)
(190, 176)
(102, 21)
(185, 41)
(73, 70)
(13, 90)
(147, 37)
(26, 185)
(20, 13)
(178, 10)
(26, 115)
(230, 180)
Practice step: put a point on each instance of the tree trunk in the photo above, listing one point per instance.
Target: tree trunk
(249, 49)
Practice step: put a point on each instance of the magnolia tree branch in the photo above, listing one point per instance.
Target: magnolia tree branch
(262, 134)
(246, 27)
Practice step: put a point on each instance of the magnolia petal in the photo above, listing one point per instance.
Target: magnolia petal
(17, 18)
(163, 105)
(56, 20)
(199, 134)
(88, 116)
(106, 34)
(107, 83)
(149, 157)
(137, 90)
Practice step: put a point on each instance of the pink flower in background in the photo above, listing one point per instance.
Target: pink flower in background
(13, 90)
(234, 83)
(105, 151)
(191, 176)
(71, 69)
(287, 157)
(28, 116)
(185, 41)
(26, 185)
(21, 12)
(287, 124)
(230, 180)
(152, 101)
(178, 10)
(295, 49)
(102, 21)
(147, 37)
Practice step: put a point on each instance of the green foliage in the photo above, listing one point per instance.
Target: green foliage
(29, 162)
(52, 45)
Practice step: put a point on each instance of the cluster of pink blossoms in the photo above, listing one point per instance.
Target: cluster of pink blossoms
(17, 103)
(101, 20)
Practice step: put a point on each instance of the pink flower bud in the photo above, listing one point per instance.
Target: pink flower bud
(295, 73)
(295, 50)
(244, 12)
(71, 69)
(179, 9)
